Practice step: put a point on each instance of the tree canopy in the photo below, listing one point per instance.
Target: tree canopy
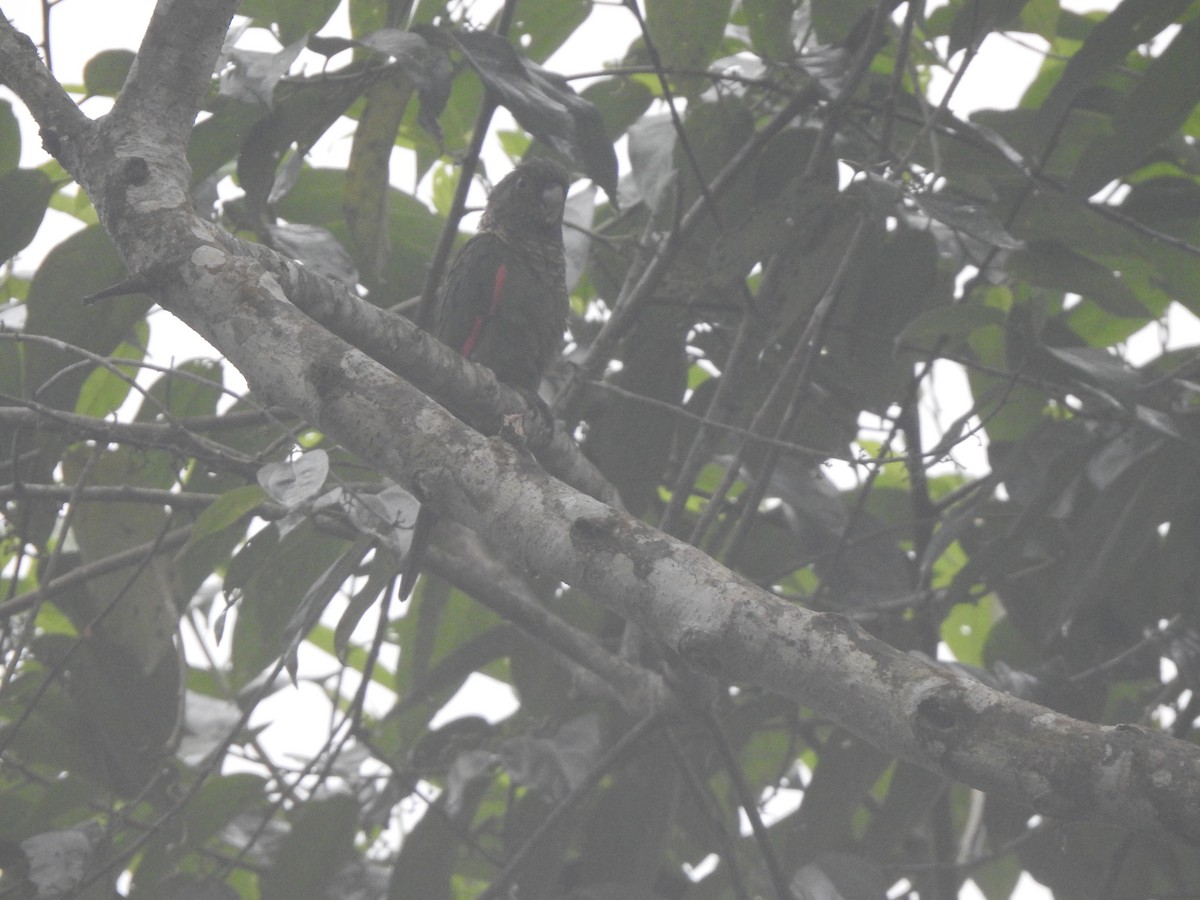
(764, 632)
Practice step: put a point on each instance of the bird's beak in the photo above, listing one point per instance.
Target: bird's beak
(553, 197)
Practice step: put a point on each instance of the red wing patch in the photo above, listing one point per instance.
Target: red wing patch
(481, 320)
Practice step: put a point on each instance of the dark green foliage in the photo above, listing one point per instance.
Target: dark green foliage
(779, 307)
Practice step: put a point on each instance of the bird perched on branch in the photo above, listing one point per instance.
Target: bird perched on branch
(504, 301)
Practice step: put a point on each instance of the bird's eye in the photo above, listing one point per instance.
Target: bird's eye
(521, 181)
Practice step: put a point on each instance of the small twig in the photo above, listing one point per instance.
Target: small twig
(703, 796)
(47, 6)
(172, 540)
(898, 70)
(676, 120)
(135, 285)
(49, 569)
(441, 252)
(794, 374)
(749, 806)
(184, 796)
(721, 405)
(635, 293)
(498, 888)
(60, 665)
(1150, 640)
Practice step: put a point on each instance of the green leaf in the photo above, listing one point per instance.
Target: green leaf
(900, 284)
(192, 388)
(305, 617)
(457, 121)
(82, 264)
(947, 326)
(320, 842)
(621, 103)
(1060, 219)
(24, 197)
(632, 441)
(217, 140)
(1119, 526)
(965, 630)
(382, 572)
(142, 622)
(976, 18)
(544, 104)
(970, 218)
(1099, 328)
(324, 638)
(220, 800)
(1040, 17)
(227, 509)
(198, 560)
(833, 19)
(770, 23)
(998, 878)
(1160, 102)
(367, 16)
(1131, 24)
(437, 629)
(316, 198)
(1099, 368)
(716, 132)
(104, 390)
(413, 231)
(541, 26)
(439, 624)
(105, 73)
(370, 159)
(1051, 265)
(10, 138)
(1018, 129)
(301, 114)
(687, 36)
(1008, 409)
(294, 20)
(272, 577)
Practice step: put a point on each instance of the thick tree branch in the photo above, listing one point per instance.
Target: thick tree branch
(471, 390)
(65, 129)
(459, 557)
(712, 618)
(171, 72)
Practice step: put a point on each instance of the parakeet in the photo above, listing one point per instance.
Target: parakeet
(504, 301)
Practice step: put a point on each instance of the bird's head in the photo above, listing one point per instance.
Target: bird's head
(528, 200)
